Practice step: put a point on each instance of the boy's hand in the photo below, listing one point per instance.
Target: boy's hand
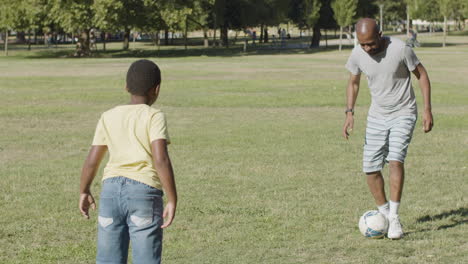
(86, 201)
(169, 214)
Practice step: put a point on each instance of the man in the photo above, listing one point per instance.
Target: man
(387, 63)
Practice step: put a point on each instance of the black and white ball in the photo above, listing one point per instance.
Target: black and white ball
(373, 224)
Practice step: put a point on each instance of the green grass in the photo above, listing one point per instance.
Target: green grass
(262, 171)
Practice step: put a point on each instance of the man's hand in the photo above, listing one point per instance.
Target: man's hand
(349, 124)
(86, 201)
(428, 122)
(169, 214)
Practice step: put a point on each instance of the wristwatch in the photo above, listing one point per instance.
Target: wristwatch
(349, 110)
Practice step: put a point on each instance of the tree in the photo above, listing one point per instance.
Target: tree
(306, 14)
(367, 8)
(74, 16)
(446, 10)
(344, 12)
(202, 10)
(30, 16)
(175, 16)
(124, 15)
(391, 11)
(7, 19)
(425, 10)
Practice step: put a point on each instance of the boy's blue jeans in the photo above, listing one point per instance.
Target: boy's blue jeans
(129, 210)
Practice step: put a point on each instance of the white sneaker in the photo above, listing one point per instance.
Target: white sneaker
(395, 230)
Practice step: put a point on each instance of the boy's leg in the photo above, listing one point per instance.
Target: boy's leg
(113, 238)
(145, 208)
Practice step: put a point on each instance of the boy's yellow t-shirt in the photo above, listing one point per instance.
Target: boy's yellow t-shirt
(128, 131)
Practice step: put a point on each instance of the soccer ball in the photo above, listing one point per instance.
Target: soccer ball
(373, 224)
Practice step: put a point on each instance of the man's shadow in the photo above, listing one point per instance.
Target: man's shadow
(458, 217)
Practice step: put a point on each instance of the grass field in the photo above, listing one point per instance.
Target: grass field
(263, 173)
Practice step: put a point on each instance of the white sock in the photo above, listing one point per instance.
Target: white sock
(384, 209)
(394, 208)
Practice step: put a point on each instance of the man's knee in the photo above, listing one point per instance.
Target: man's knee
(396, 164)
(374, 174)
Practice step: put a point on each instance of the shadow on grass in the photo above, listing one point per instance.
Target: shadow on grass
(181, 52)
(439, 44)
(458, 217)
(461, 212)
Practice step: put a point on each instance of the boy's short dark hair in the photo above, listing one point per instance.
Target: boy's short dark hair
(142, 76)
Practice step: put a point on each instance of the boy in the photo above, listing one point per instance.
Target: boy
(131, 205)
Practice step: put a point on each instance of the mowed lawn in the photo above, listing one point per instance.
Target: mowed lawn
(263, 173)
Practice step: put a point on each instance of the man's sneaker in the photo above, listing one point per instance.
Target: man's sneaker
(394, 229)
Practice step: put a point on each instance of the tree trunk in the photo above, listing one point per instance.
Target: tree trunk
(214, 38)
(186, 32)
(381, 17)
(445, 31)
(407, 20)
(224, 36)
(261, 34)
(326, 39)
(235, 38)
(315, 41)
(341, 36)
(29, 39)
(104, 36)
(166, 37)
(83, 48)
(6, 43)
(205, 38)
(21, 37)
(126, 41)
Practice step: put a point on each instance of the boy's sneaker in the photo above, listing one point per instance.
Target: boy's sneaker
(395, 230)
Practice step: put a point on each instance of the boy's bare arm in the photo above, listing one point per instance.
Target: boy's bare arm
(90, 168)
(423, 78)
(352, 91)
(163, 166)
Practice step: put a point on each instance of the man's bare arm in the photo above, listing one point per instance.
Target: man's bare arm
(425, 85)
(352, 91)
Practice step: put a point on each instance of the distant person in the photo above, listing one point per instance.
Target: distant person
(139, 168)
(387, 63)
(254, 36)
(283, 37)
(412, 38)
(92, 41)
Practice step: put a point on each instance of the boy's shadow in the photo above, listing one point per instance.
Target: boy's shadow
(458, 217)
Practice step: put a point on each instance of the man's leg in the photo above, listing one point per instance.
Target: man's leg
(397, 177)
(400, 136)
(375, 151)
(376, 184)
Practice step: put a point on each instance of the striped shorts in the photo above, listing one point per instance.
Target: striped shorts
(387, 140)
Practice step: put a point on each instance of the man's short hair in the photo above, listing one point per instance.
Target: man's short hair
(142, 76)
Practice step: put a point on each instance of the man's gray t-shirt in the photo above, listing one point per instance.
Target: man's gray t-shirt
(389, 78)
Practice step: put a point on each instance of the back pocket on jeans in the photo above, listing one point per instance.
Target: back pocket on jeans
(141, 210)
(106, 211)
